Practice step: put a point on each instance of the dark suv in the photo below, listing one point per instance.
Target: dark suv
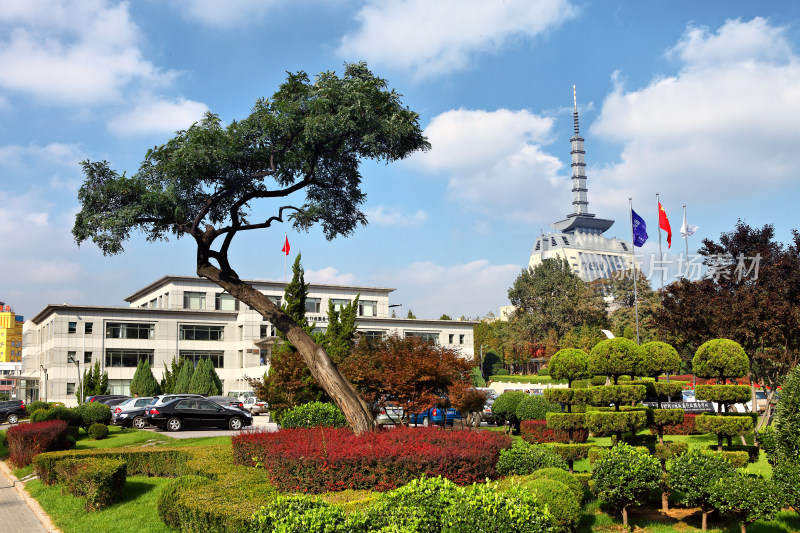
(12, 411)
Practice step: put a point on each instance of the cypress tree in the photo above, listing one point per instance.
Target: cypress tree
(340, 334)
(203, 379)
(184, 378)
(171, 375)
(143, 382)
(100, 380)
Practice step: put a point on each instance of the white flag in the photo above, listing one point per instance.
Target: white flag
(686, 229)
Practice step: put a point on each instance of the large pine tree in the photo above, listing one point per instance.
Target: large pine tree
(143, 382)
(184, 378)
(205, 379)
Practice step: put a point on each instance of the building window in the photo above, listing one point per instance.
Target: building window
(72, 327)
(461, 339)
(313, 305)
(275, 299)
(119, 386)
(450, 338)
(339, 303)
(154, 303)
(88, 327)
(267, 330)
(87, 357)
(424, 336)
(71, 357)
(263, 356)
(70, 388)
(192, 332)
(367, 308)
(373, 335)
(217, 357)
(123, 330)
(194, 300)
(225, 302)
(128, 358)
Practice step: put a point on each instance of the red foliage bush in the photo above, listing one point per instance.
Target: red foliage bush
(333, 459)
(686, 428)
(27, 440)
(536, 431)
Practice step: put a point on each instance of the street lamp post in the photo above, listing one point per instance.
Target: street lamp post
(74, 359)
(482, 347)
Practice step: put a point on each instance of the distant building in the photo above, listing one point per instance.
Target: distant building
(10, 336)
(193, 318)
(579, 238)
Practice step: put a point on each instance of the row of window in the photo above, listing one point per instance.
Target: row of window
(127, 358)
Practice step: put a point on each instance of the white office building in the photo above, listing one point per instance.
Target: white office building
(194, 318)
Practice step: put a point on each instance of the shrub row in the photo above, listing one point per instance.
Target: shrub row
(99, 480)
(313, 414)
(328, 459)
(25, 441)
(538, 431)
(139, 461)
(524, 458)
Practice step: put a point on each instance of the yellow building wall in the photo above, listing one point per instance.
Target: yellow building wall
(10, 337)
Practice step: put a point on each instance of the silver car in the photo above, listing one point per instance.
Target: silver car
(389, 415)
(131, 413)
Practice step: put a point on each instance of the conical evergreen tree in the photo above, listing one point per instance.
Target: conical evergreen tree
(340, 334)
(171, 376)
(89, 384)
(184, 377)
(203, 380)
(143, 382)
(100, 380)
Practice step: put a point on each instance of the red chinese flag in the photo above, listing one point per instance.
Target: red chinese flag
(663, 223)
(285, 248)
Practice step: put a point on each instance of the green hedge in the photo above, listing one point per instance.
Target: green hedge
(167, 503)
(561, 500)
(99, 480)
(536, 408)
(751, 451)
(542, 380)
(524, 458)
(617, 394)
(603, 423)
(724, 426)
(312, 415)
(140, 462)
(572, 452)
(566, 421)
(726, 394)
(568, 396)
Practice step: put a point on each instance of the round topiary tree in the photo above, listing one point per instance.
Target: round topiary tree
(535, 407)
(659, 358)
(694, 475)
(615, 358)
(623, 476)
(721, 359)
(312, 415)
(505, 406)
(569, 364)
(561, 501)
(747, 497)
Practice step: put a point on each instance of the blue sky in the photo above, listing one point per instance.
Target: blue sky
(697, 101)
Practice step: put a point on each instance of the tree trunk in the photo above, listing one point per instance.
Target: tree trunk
(744, 528)
(625, 517)
(664, 501)
(719, 443)
(704, 527)
(319, 363)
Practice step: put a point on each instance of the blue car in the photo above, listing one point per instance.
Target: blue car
(433, 416)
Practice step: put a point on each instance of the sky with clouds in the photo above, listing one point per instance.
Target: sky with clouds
(696, 101)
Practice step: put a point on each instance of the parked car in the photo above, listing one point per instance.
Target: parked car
(491, 395)
(131, 413)
(761, 402)
(103, 398)
(12, 410)
(390, 414)
(256, 406)
(164, 398)
(185, 413)
(227, 401)
(433, 416)
(114, 402)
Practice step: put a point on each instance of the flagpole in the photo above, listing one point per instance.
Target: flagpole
(285, 255)
(660, 253)
(686, 239)
(633, 253)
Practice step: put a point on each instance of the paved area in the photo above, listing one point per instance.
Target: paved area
(15, 514)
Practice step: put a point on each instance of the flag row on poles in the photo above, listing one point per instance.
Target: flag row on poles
(639, 227)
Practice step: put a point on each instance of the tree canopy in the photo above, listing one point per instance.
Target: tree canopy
(298, 151)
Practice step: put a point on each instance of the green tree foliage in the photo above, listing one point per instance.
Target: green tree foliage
(184, 379)
(491, 334)
(410, 314)
(205, 379)
(622, 320)
(694, 474)
(748, 498)
(340, 335)
(143, 382)
(524, 458)
(312, 415)
(300, 149)
(659, 358)
(551, 297)
(615, 358)
(171, 373)
(477, 378)
(751, 298)
(94, 381)
(623, 476)
(492, 363)
(536, 407)
(787, 417)
(505, 406)
(721, 359)
(569, 364)
(445, 316)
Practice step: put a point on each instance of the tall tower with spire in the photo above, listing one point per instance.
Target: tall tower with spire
(579, 237)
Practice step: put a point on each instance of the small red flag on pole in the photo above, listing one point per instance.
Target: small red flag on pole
(285, 248)
(663, 223)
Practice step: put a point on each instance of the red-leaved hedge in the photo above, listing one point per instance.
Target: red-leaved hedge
(332, 459)
(536, 431)
(686, 428)
(27, 440)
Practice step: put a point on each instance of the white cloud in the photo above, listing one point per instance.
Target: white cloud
(228, 14)
(469, 289)
(430, 38)
(394, 217)
(494, 162)
(157, 116)
(328, 275)
(80, 52)
(724, 126)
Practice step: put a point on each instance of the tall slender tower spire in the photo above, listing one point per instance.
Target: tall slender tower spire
(580, 220)
(580, 202)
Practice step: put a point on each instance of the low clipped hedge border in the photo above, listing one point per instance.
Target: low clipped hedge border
(26, 441)
(537, 431)
(331, 459)
(99, 480)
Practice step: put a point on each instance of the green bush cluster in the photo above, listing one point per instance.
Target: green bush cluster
(93, 413)
(312, 415)
(505, 406)
(557, 474)
(98, 431)
(623, 476)
(748, 498)
(99, 480)
(561, 501)
(524, 458)
(535, 407)
(724, 426)
(167, 503)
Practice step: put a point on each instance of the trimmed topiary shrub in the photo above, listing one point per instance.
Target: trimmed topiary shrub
(99, 480)
(557, 474)
(539, 431)
(481, 507)
(663, 418)
(98, 431)
(569, 364)
(659, 358)
(572, 452)
(24, 441)
(721, 359)
(603, 423)
(94, 413)
(560, 499)
(724, 395)
(724, 426)
(68, 415)
(39, 415)
(617, 395)
(614, 358)
(523, 458)
(747, 497)
(35, 406)
(535, 407)
(694, 474)
(312, 415)
(505, 406)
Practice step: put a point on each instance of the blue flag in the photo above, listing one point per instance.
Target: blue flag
(639, 230)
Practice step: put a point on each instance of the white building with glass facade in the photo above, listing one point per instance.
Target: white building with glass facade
(194, 318)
